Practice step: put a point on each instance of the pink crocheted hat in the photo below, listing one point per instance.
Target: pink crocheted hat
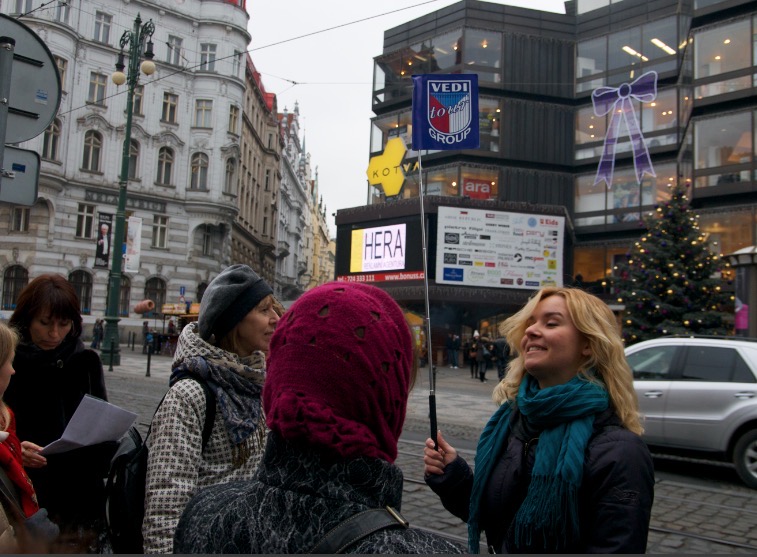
(339, 372)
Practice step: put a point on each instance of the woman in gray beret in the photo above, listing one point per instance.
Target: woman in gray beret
(222, 357)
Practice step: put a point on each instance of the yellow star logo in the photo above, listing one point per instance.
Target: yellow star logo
(386, 168)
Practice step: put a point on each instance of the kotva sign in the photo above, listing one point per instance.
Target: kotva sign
(445, 111)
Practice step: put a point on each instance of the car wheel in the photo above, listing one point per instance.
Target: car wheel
(745, 458)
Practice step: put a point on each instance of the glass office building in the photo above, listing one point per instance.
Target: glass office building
(542, 137)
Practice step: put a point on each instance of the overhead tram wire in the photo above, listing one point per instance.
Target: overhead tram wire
(291, 39)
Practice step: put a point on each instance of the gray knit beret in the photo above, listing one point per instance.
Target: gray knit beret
(229, 297)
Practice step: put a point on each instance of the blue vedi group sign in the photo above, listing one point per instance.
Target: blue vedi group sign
(445, 112)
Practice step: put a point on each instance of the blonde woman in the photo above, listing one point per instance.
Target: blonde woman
(22, 525)
(561, 466)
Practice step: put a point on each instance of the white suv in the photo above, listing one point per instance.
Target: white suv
(700, 394)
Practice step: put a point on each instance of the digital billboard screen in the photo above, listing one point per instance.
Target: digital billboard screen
(382, 251)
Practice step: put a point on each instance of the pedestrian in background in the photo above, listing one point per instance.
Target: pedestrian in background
(226, 349)
(340, 371)
(451, 351)
(473, 358)
(146, 336)
(561, 466)
(54, 371)
(503, 356)
(491, 355)
(97, 333)
(456, 349)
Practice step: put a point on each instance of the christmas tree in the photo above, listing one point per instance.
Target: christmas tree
(671, 282)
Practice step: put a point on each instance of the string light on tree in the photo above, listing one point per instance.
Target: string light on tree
(671, 282)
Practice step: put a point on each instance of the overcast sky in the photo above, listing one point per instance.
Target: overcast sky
(330, 75)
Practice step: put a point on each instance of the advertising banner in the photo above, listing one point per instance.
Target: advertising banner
(445, 111)
(104, 241)
(498, 249)
(133, 245)
(378, 249)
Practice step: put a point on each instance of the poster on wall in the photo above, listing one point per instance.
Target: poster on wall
(103, 242)
(133, 245)
(498, 249)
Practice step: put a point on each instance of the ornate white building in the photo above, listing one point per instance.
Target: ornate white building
(295, 229)
(206, 173)
(185, 151)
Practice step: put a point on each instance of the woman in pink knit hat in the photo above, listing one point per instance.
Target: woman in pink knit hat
(340, 371)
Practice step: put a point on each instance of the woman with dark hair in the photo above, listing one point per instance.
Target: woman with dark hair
(54, 371)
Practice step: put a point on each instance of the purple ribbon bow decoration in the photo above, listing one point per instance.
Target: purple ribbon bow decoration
(618, 100)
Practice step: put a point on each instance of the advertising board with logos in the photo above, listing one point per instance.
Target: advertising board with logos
(497, 249)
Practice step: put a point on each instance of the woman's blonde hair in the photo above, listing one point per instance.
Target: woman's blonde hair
(606, 364)
(9, 339)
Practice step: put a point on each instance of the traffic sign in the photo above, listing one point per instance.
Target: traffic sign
(35, 89)
(19, 184)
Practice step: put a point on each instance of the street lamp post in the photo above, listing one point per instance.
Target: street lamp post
(139, 44)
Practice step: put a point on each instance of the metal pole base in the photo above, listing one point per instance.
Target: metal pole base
(111, 351)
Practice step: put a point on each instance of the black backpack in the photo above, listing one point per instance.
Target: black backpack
(125, 488)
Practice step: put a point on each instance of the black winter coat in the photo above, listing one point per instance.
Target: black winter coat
(295, 498)
(615, 498)
(44, 394)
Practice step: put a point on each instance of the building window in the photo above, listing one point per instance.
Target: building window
(20, 219)
(203, 113)
(133, 159)
(160, 232)
(85, 219)
(102, 27)
(199, 169)
(231, 170)
(482, 53)
(723, 149)
(62, 64)
(139, 94)
(170, 104)
(51, 140)
(265, 226)
(23, 6)
(93, 142)
(155, 290)
(61, 12)
(721, 50)
(125, 297)
(233, 118)
(236, 63)
(97, 85)
(208, 57)
(174, 50)
(82, 283)
(165, 166)
(15, 280)
(207, 240)
(267, 179)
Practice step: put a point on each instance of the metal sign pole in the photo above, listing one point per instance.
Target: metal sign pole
(7, 46)
(429, 353)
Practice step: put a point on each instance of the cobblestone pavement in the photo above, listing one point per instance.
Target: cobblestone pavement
(687, 517)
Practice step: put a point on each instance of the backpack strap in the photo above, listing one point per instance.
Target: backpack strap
(210, 408)
(357, 527)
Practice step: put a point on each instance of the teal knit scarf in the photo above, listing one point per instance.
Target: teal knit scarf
(550, 509)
